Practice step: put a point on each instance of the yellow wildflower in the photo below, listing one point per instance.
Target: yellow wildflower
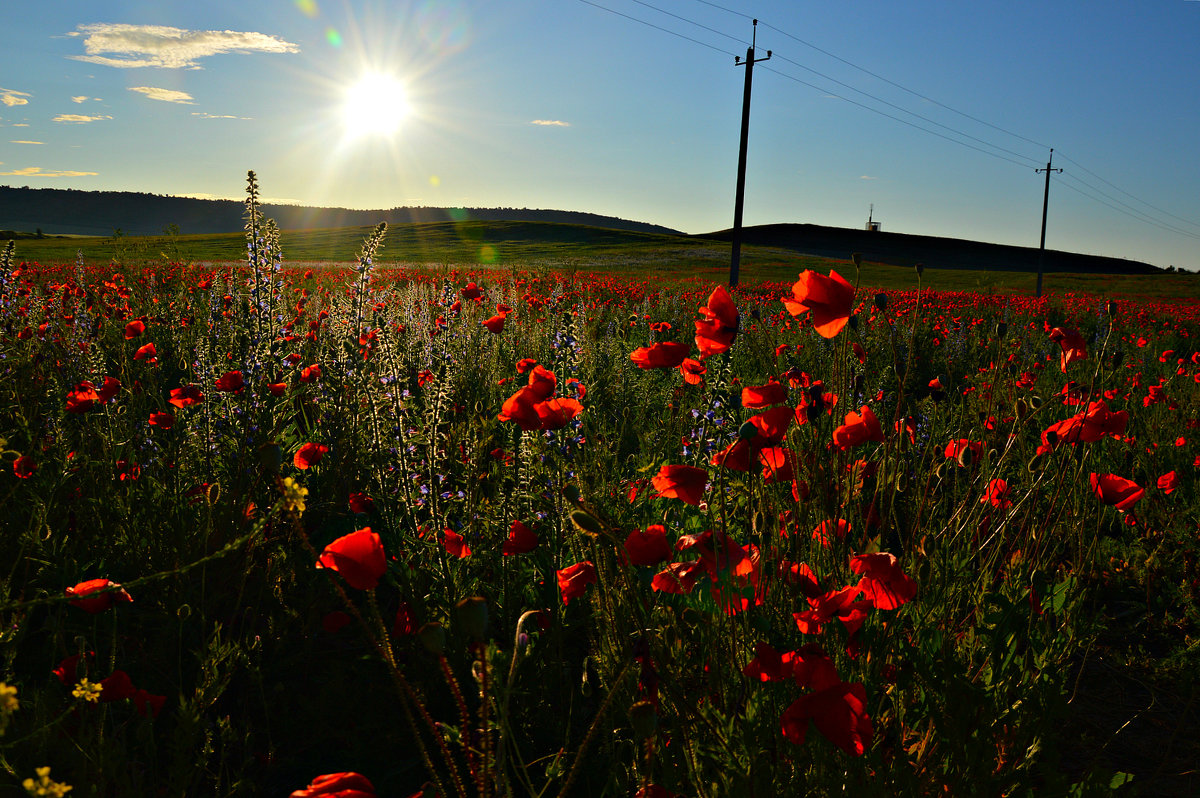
(8, 704)
(293, 496)
(46, 786)
(88, 691)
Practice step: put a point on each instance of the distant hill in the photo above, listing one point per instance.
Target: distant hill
(902, 249)
(57, 211)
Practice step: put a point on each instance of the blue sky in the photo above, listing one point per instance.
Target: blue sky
(574, 105)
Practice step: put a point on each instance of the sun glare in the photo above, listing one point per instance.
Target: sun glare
(374, 106)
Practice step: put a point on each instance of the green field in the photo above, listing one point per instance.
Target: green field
(578, 247)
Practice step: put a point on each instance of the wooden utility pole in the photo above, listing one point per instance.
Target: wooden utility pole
(736, 257)
(1045, 205)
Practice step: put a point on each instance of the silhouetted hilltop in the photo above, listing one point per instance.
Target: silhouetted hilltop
(57, 211)
(902, 249)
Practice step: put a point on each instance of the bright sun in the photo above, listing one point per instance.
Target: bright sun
(374, 106)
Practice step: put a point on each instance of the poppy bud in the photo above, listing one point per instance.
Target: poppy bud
(1022, 409)
(857, 383)
(965, 456)
(857, 259)
(473, 617)
(1037, 463)
(747, 431)
(586, 523)
(644, 719)
(920, 268)
(270, 455)
(853, 322)
(1035, 402)
(571, 494)
(433, 637)
(881, 301)
(1111, 307)
(1001, 329)
(1117, 358)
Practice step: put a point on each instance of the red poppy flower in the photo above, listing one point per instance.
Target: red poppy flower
(771, 425)
(109, 389)
(841, 604)
(82, 397)
(230, 382)
(693, 371)
(472, 291)
(521, 540)
(649, 547)
(405, 622)
(148, 353)
(777, 464)
(455, 545)
(134, 329)
(829, 298)
(24, 466)
(574, 579)
(361, 503)
(860, 427)
(67, 670)
(542, 383)
(735, 456)
(756, 397)
(1072, 343)
(525, 364)
(555, 413)
(678, 577)
(521, 407)
(718, 552)
(997, 495)
(147, 704)
(338, 785)
(309, 455)
(310, 373)
(664, 355)
(186, 396)
(358, 557)
(825, 529)
(883, 582)
(686, 483)
(334, 622)
(1167, 483)
(117, 687)
(1116, 491)
(97, 595)
(495, 324)
(277, 388)
(800, 576)
(964, 451)
(839, 713)
(161, 420)
(715, 334)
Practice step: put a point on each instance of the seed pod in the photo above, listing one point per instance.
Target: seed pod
(881, 301)
(270, 455)
(919, 268)
(473, 617)
(433, 637)
(586, 523)
(1001, 329)
(644, 719)
(747, 432)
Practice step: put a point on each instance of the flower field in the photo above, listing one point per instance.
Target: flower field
(375, 531)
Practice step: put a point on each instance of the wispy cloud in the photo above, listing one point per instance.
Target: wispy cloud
(11, 97)
(550, 123)
(867, 177)
(83, 98)
(165, 95)
(80, 118)
(204, 115)
(26, 142)
(119, 45)
(36, 171)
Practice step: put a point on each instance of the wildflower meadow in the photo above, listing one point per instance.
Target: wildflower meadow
(378, 530)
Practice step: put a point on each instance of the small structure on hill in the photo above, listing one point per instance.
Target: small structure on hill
(872, 225)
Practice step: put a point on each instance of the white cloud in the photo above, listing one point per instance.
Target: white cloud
(26, 142)
(11, 97)
(204, 115)
(119, 45)
(80, 118)
(20, 124)
(550, 123)
(36, 171)
(83, 98)
(867, 177)
(165, 95)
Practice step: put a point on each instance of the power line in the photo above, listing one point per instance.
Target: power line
(658, 27)
(1118, 209)
(690, 22)
(896, 118)
(1140, 213)
(1131, 196)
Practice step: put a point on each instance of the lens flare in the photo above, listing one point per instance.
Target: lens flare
(333, 37)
